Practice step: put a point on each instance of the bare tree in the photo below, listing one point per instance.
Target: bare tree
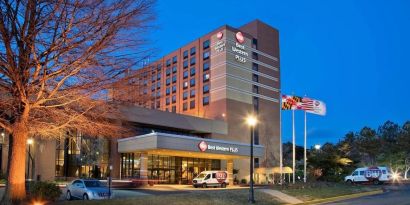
(58, 58)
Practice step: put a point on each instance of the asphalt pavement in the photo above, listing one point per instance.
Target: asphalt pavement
(393, 195)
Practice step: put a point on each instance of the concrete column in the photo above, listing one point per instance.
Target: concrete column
(144, 168)
(229, 168)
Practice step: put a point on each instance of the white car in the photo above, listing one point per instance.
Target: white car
(211, 179)
(375, 175)
(87, 189)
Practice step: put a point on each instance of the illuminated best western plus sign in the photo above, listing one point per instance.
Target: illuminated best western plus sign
(203, 146)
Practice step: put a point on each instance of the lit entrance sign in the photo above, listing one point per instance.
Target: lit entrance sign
(203, 146)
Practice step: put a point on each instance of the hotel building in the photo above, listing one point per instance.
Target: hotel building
(192, 117)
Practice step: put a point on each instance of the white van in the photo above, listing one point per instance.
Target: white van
(375, 175)
(211, 179)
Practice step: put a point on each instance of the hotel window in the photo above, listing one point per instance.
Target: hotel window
(158, 85)
(255, 89)
(145, 82)
(193, 51)
(158, 104)
(192, 71)
(159, 76)
(255, 67)
(185, 54)
(192, 104)
(206, 77)
(185, 95)
(185, 106)
(255, 43)
(185, 64)
(145, 91)
(256, 135)
(206, 66)
(174, 59)
(192, 82)
(153, 87)
(206, 44)
(192, 93)
(185, 74)
(158, 93)
(205, 100)
(168, 81)
(174, 108)
(256, 104)
(255, 78)
(167, 101)
(168, 71)
(167, 91)
(159, 66)
(153, 78)
(206, 88)
(206, 55)
(174, 98)
(185, 85)
(192, 61)
(174, 69)
(174, 79)
(168, 63)
(174, 89)
(254, 55)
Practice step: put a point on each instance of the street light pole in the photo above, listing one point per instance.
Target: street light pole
(29, 142)
(251, 121)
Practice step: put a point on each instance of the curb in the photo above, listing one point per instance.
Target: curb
(343, 197)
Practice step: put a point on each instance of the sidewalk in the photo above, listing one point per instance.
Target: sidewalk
(282, 196)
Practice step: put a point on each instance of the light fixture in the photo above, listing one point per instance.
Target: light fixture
(317, 146)
(251, 120)
(30, 141)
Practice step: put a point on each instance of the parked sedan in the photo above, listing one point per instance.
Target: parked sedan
(87, 189)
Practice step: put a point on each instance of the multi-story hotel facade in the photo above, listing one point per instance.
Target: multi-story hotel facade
(192, 118)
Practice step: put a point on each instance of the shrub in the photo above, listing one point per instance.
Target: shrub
(243, 181)
(44, 191)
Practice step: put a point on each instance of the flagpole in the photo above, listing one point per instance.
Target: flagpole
(304, 153)
(293, 145)
(280, 148)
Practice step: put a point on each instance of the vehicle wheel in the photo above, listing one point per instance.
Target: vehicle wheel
(204, 186)
(349, 181)
(68, 196)
(223, 185)
(195, 186)
(85, 197)
(376, 182)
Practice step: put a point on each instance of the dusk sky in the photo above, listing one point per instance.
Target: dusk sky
(353, 55)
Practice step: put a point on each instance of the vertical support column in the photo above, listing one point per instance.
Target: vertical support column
(229, 169)
(144, 168)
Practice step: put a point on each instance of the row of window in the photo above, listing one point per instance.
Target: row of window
(205, 101)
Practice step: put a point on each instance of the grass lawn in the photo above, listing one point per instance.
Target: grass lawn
(322, 190)
(226, 197)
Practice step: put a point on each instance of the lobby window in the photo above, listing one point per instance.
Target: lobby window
(168, 81)
(185, 85)
(206, 77)
(168, 71)
(254, 55)
(256, 162)
(167, 101)
(206, 88)
(193, 51)
(185, 54)
(206, 66)
(185, 95)
(206, 44)
(174, 98)
(174, 59)
(174, 79)
(185, 74)
(174, 89)
(192, 82)
(167, 91)
(185, 106)
(192, 61)
(174, 108)
(174, 69)
(206, 55)
(168, 62)
(185, 64)
(255, 67)
(192, 93)
(192, 71)
(205, 100)
(192, 104)
(255, 78)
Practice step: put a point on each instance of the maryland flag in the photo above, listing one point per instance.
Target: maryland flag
(290, 102)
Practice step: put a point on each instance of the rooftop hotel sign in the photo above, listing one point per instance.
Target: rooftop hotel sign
(203, 146)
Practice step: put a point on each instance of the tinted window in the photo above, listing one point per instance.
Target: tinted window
(361, 173)
(192, 104)
(185, 64)
(193, 51)
(206, 66)
(185, 54)
(185, 106)
(174, 98)
(174, 78)
(174, 59)
(206, 44)
(192, 82)
(192, 94)
(192, 61)
(93, 183)
(168, 62)
(185, 74)
(206, 88)
(206, 55)
(205, 100)
(192, 71)
(174, 69)
(167, 91)
(185, 95)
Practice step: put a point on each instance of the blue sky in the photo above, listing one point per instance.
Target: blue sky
(353, 55)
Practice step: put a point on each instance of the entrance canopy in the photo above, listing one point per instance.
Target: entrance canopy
(187, 146)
